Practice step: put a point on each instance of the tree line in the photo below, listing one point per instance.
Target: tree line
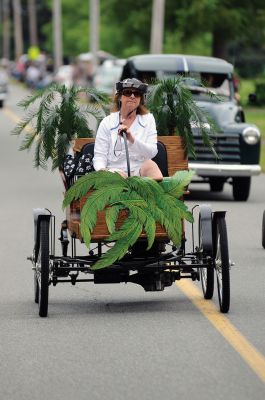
(230, 29)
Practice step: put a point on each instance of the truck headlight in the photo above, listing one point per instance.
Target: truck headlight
(251, 135)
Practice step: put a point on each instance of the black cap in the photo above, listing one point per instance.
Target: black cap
(132, 83)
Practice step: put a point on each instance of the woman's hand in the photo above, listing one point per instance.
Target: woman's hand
(129, 136)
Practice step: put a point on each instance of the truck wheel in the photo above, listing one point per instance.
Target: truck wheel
(216, 184)
(241, 188)
(1, 103)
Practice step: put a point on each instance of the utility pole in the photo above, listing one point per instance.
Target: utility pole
(18, 34)
(94, 36)
(57, 34)
(6, 30)
(157, 28)
(33, 36)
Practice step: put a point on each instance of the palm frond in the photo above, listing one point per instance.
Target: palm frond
(177, 184)
(97, 201)
(112, 214)
(96, 180)
(129, 232)
(174, 109)
(58, 119)
(138, 209)
(146, 202)
(27, 141)
(145, 187)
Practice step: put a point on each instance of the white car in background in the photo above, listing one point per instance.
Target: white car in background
(107, 75)
(3, 87)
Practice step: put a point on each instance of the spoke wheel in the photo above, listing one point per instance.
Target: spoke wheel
(206, 274)
(222, 264)
(42, 270)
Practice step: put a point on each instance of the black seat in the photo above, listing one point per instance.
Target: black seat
(88, 148)
(161, 158)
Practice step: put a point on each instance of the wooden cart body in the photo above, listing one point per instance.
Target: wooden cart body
(176, 160)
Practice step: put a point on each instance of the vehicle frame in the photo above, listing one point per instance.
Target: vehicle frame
(154, 269)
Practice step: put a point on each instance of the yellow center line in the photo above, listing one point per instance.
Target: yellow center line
(244, 348)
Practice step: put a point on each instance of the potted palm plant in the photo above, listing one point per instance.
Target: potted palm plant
(57, 116)
(176, 115)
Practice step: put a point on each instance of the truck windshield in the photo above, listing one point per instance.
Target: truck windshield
(202, 83)
(199, 83)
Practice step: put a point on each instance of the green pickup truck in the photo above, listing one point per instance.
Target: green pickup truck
(237, 142)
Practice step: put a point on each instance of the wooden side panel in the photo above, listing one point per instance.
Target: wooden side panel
(176, 157)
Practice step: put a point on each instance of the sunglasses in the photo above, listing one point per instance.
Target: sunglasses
(129, 92)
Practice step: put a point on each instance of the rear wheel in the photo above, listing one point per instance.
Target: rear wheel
(263, 230)
(42, 270)
(205, 246)
(222, 264)
(1, 103)
(241, 188)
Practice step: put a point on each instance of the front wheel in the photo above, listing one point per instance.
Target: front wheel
(222, 265)
(241, 188)
(41, 279)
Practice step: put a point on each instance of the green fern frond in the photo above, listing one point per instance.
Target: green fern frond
(27, 141)
(147, 188)
(58, 119)
(112, 214)
(146, 202)
(25, 103)
(97, 201)
(27, 121)
(176, 184)
(143, 216)
(97, 180)
(131, 230)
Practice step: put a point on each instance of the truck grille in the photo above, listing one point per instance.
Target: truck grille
(226, 146)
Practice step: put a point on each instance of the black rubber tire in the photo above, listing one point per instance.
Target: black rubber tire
(222, 264)
(241, 188)
(1, 103)
(206, 274)
(216, 185)
(43, 269)
(36, 289)
(263, 230)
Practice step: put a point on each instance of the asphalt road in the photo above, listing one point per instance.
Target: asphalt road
(117, 341)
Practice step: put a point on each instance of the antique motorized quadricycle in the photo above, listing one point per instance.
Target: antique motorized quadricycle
(153, 269)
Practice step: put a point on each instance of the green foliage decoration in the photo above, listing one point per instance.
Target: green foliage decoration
(175, 112)
(146, 202)
(57, 116)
